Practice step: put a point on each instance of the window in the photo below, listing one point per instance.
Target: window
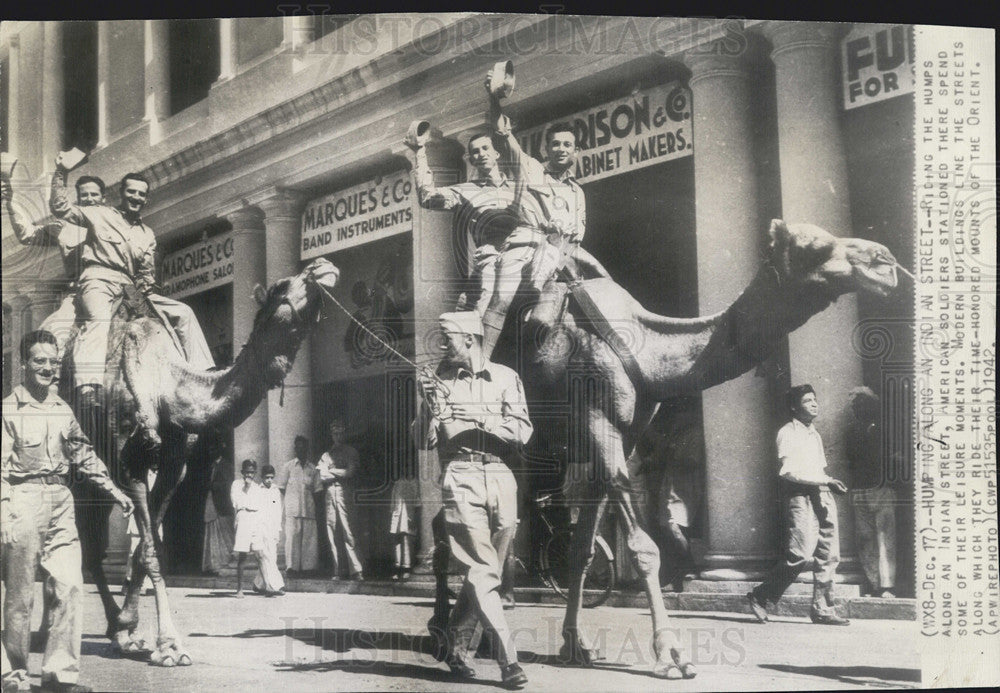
(194, 60)
(79, 85)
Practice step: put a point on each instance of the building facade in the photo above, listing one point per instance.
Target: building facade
(271, 141)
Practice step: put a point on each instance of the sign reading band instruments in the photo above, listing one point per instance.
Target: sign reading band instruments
(877, 63)
(640, 130)
(198, 267)
(368, 212)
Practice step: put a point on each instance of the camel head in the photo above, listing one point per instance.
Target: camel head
(806, 256)
(289, 309)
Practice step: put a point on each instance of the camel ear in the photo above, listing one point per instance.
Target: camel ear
(779, 233)
(259, 295)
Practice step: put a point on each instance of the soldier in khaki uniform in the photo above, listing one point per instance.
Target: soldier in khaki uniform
(41, 438)
(119, 251)
(481, 417)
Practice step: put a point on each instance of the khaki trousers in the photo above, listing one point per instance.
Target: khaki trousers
(44, 531)
(480, 513)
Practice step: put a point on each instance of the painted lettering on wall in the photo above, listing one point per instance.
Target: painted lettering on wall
(877, 63)
(639, 130)
(367, 212)
(198, 267)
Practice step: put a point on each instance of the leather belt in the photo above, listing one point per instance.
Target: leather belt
(47, 480)
(484, 458)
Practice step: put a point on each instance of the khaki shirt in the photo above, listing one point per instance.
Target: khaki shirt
(543, 194)
(44, 438)
(113, 242)
(501, 411)
(482, 205)
(342, 457)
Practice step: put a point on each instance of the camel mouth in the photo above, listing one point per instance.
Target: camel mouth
(326, 275)
(879, 278)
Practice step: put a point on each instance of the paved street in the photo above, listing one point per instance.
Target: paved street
(350, 642)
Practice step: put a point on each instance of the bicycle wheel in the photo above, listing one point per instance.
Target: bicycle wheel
(597, 583)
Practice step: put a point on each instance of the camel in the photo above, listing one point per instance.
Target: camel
(806, 269)
(162, 414)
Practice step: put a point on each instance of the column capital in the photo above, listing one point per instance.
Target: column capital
(792, 36)
(276, 202)
(713, 60)
(243, 216)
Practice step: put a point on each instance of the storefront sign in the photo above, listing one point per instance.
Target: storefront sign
(877, 64)
(368, 212)
(643, 129)
(198, 267)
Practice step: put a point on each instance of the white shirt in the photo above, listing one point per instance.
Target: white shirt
(800, 452)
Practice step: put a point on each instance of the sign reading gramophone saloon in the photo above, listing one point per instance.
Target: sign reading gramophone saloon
(360, 214)
(640, 130)
(198, 267)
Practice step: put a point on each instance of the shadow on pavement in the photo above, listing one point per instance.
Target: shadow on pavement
(228, 594)
(380, 668)
(853, 675)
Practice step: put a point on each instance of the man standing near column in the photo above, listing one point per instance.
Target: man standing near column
(873, 495)
(808, 493)
(298, 480)
(41, 439)
(337, 467)
(119, 251)
(479, 416)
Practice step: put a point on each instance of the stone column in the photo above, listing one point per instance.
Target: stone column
(738, 436)
(434, 274)
(103, 75)
(814, 189)
(52, 94)
(156, 55)
(282, 210)
(250, 437)
(298, 31)
(227, 49)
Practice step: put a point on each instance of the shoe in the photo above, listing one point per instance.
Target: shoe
(395, 577)
(459, 668)
(404, 576)
(239, 594)
(830, 619)
(50, 686)
(513, 677)
(757, 607)
(334, 578)
(358, 577)
(888, 594)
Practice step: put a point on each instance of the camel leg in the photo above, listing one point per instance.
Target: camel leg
(169, 650)
(575, 649)
(672, 662)
(142, 387)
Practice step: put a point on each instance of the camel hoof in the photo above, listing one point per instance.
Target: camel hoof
(688, 670)
(169, 655)
(575, 653)
(126, 644)
(667, 670)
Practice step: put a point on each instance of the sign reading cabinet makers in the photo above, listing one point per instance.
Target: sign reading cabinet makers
(360, 214)
(643, 129)
(198, 267)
